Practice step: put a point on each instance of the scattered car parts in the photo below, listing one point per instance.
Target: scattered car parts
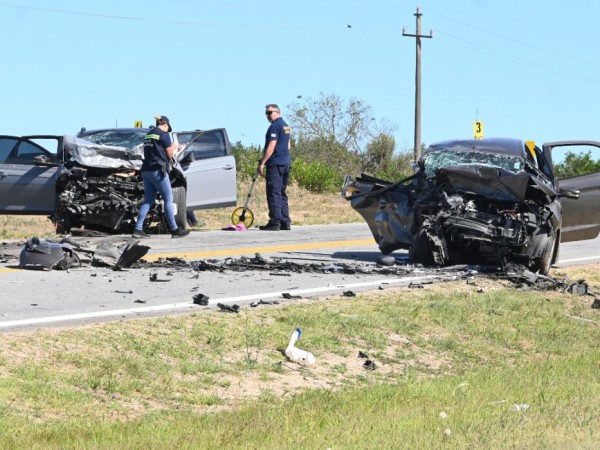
(47, 255)
(62, 255)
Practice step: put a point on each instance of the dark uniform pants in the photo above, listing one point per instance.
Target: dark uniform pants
(277, 180)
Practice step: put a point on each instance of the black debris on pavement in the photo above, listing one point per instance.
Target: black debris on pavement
(200, 299)
(154, 278)
(127, 253)
(139, 301)
(229, 308)
(124, 292)
(289, 296)
(263, 302)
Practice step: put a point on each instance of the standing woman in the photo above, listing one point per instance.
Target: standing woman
(158, 152)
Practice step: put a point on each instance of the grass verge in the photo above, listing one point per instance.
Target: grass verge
(463, 365)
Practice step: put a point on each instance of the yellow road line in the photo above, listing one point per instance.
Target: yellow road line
(252, 250)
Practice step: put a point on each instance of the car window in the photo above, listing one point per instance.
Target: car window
(25, 152)
(543, 164)
(209, 144)
(575, 160)
(6, 147)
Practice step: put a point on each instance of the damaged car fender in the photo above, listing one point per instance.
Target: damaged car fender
(47, 255)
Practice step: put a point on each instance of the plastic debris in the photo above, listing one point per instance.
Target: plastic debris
(200, 299)
(263, 302)
(298, 355)
(154, 278)
(229, 308)
(369, 365)
(521, 407)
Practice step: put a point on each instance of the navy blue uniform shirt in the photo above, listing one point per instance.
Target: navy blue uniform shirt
(155, 143)
(279, 131)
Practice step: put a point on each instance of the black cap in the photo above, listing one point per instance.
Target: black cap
(160, 120)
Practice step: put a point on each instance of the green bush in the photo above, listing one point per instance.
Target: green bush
(246, 159)
(318, 168)
(316, 176)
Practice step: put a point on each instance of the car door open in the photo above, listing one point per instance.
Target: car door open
(28, 170)
(210, 169)
(576, 166)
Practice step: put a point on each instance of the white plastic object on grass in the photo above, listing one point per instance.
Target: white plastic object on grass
(298, 355)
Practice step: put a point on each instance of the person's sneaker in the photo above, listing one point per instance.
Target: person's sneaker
(178, 232)
(285, 226)
(140, 234)
(270, 227)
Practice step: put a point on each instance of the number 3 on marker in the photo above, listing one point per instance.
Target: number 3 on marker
(478, 129)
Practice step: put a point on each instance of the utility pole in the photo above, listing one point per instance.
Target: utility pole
(418, 37)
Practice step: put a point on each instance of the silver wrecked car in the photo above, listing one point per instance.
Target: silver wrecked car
(92, 181)
(488, 201)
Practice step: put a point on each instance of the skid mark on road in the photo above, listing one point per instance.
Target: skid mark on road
(266, 249)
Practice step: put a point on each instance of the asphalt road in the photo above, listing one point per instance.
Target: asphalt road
(306, 261)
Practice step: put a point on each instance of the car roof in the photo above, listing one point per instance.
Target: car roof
(84, 132)
(507, 146)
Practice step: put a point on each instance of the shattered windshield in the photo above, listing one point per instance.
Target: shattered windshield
(117, 138)
(453, 157)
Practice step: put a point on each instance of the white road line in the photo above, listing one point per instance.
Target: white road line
(586, 258)
(225, 300)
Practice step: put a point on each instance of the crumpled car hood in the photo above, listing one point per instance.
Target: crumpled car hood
(88, 154)
(494, 183)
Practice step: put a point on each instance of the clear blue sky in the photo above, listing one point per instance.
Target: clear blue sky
(526, 68)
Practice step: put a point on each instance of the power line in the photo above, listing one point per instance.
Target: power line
(515, 59)
(516, 41)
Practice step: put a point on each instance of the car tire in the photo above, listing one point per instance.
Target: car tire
(420, 253)
(544, 262)
(179, 199)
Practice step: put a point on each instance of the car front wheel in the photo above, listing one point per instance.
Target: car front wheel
(543, 264)
(179, 199)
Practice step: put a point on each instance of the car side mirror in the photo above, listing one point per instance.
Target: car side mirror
(569, 193)
(43, 160)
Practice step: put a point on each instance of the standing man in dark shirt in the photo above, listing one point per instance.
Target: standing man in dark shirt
(158, 152)
(276, 163)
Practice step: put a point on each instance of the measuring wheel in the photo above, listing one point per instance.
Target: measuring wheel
(242, 215)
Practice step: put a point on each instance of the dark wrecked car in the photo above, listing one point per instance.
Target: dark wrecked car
(92, 181)
(489, 201)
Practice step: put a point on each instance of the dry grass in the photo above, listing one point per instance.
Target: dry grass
(306, 208)
(16, 227)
